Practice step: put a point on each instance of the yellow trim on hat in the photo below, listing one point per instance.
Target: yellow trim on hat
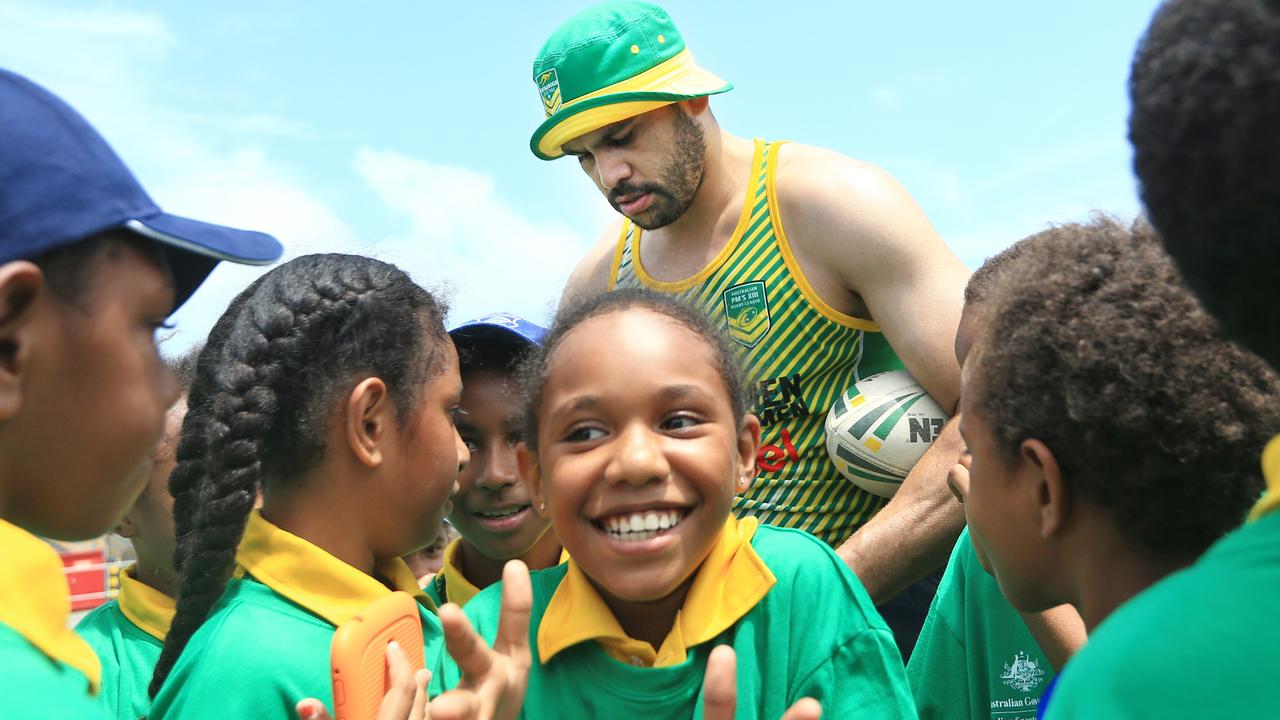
(36, 602)
(678, 75)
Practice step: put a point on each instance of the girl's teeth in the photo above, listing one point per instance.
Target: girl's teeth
(641, 526)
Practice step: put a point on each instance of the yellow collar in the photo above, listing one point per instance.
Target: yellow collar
(313, 578)
(457, 587)
(36, 603)
(1270, 502)
(730, 581)
(144, 606)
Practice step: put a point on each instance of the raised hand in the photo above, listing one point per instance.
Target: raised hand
(720, 690)
(497, 677)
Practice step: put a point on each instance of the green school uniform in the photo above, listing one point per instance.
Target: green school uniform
(266, 643)
(975, 657)
(1202, 643)
(46, 670)
(798, 619)
(127, 634)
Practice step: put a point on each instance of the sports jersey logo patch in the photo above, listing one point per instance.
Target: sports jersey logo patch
(549, 89)
(1024, 674)
(746, 307)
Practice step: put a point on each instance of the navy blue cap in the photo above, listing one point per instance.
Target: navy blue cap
(503, 324)
(60, 183)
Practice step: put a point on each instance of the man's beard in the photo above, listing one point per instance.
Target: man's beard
(681, 177)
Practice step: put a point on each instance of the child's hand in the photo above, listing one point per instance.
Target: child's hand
(497, 676)
(406, 698)
(720, 690)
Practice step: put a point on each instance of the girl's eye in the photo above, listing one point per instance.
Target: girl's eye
(472, 444)
(584, 434)
(515, 438)
(680, 422)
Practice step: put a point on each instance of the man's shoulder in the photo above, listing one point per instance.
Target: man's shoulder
(812, 174)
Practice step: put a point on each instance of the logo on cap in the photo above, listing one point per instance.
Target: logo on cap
(549, 89)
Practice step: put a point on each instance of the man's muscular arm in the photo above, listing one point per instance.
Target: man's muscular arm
(867, 247)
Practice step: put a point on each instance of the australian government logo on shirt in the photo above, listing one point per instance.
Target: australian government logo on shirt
(746, 307)
(1023, 681)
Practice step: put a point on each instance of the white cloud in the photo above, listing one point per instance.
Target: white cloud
(463, 234)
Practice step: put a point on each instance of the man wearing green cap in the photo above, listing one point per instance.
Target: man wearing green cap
(854, 282)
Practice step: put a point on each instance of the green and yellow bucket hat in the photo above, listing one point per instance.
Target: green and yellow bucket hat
(610, 62)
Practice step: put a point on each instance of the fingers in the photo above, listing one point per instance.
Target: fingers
(455, 705)
(804, 709)
(406, 689)
(468, 649)
(517, 605)
(311, 709)
(720, 684)
(958, 477)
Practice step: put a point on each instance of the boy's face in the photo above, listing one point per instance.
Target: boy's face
(1003, 519)
(492, 509)
(93, 395)
(639, 454)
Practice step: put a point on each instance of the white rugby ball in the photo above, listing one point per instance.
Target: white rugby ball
(879, 428)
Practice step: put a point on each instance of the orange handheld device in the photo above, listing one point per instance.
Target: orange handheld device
(359, 654)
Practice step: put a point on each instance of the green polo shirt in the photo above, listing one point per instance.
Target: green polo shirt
(46, 670)
(812, 633)
(975, 657)
(127, 634)
(1201, 643)
(266, 643)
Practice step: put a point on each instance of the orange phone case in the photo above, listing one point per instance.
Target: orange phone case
(359, 654)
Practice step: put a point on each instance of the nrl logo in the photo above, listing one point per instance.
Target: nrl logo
(549, 89)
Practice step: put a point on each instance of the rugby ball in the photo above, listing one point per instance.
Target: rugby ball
(879, 428)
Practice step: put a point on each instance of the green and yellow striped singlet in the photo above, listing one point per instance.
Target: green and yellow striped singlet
(801, 355)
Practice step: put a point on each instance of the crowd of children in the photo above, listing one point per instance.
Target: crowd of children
(1119, 408)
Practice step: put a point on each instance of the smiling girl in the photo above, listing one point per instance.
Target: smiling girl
(637, 441)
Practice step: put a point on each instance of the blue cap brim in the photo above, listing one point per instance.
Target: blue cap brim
(502, 325)
(197, 247)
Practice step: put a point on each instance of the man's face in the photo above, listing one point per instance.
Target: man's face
(649, 167)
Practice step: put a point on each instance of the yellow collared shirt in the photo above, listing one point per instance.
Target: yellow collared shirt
(36, 603)
(731, 580)
(144, 606)
(457, 588)
(1270, 502)
(314, 579)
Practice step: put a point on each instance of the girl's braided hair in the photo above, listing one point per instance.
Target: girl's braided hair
(266, 383)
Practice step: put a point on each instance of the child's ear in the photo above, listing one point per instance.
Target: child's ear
(1051, 496)
(127, 529)
(369, 418)
(531, 474)
(748, 448)
(20, 285)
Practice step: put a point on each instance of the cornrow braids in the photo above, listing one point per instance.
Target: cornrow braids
(533, 370)
(309, 328)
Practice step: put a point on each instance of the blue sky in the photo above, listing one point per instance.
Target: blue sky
(400, 129)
